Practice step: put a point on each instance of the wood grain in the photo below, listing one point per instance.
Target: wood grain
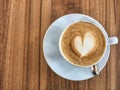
(23, 24)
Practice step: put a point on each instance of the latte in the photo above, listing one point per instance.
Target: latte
(83, 44)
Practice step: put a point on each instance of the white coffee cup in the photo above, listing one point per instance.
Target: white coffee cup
(109, 40)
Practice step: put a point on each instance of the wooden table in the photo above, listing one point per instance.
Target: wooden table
(23, 24)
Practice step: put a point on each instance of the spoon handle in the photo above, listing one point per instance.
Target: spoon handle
(95, 70)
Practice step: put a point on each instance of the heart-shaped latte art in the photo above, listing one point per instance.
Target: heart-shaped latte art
(85, 45)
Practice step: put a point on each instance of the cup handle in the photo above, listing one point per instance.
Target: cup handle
(112, 40)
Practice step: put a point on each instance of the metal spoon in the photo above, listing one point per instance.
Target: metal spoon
(95, 70)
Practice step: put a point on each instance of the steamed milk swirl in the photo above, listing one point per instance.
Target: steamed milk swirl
(83, 43)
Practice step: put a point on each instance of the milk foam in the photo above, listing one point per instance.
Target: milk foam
(86, 45)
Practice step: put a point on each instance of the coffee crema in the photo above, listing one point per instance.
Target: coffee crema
(83, 44)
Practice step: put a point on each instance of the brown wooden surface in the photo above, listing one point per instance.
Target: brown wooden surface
(23, 24)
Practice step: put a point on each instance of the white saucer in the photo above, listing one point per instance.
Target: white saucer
(53, 57)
